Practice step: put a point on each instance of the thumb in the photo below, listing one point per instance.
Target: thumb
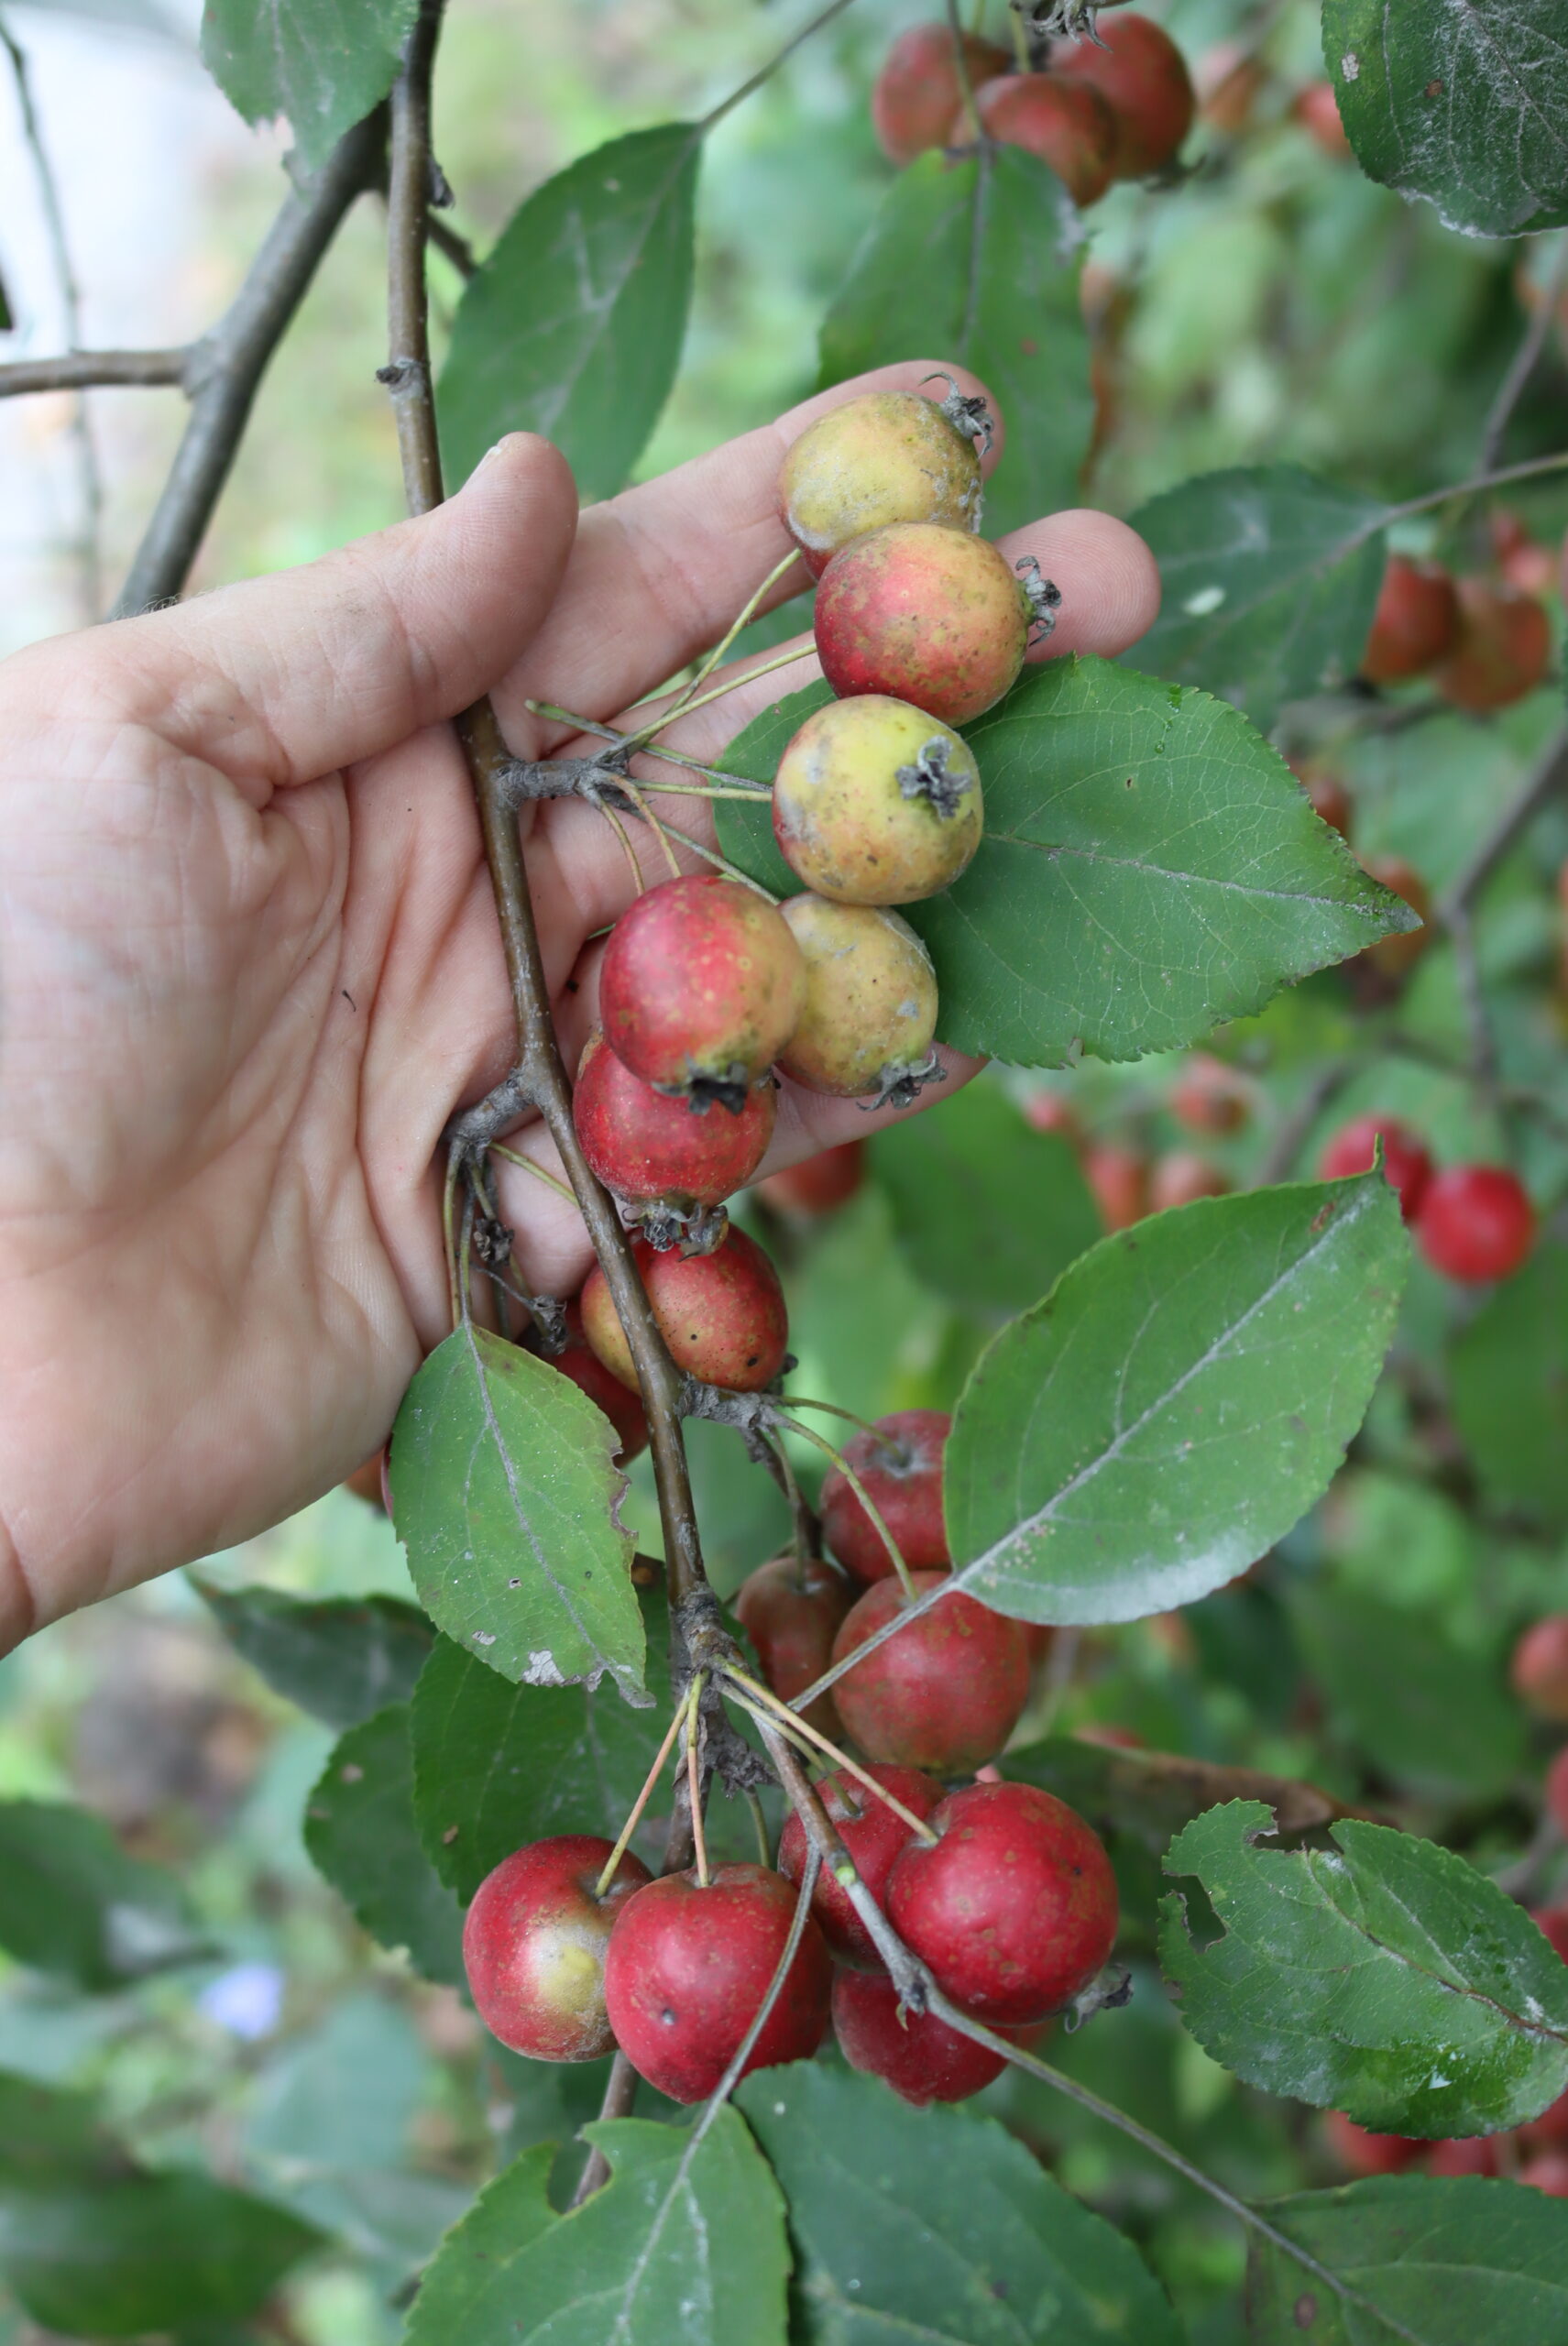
(313, 669)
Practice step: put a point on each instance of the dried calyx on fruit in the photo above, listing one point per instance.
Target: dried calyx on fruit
(869, 1020)
(700, 990)
(875, 802)
(888, 457)
(667, 1167)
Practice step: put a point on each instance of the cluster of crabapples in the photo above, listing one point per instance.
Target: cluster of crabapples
(1004, 1892)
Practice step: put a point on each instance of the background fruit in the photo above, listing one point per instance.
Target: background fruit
(1181, 1178)
(899, 1466)
(818, 1184)
(791, 1611)
(917, 90)
(1540, 1668)
(1416, 622)
(1502, 651)
(1068, 125)
(944, 1692)
(1406, 1164)
(1118, 1179)
(1476, 1222)
(1142, 77)
(722, 1315)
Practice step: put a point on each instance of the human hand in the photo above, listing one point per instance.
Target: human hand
(249, 966)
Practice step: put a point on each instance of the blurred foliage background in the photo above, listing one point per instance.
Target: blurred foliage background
(1274, 305)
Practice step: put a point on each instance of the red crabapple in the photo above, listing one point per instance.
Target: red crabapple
(1464, 2155)
(1502, 651)
(1014, 1907)
(1415, 624)
(1316, 108)
(916, 93)
(1405, 1165)
(1539, 1670)
(700, 988)
(873, 1834)
(877, 804)
(1046, 1111)
(722, 1315)
(870, 1001)
(1142, 75)
(887, 456)
(1549, 2172)
(603, 1387)
(1552, 1922)
(899, 1465)
(916, 2053)
(929, 616)
(1210, 1097)
(533, 1945)
(1556, 1791)
(1475, 1222)
(945, 1691)
(687, 1971)
(369, 1482)
(1330, 800)
(1066, 123)
(791, 1611)
(1181, 1178)
(1362, 2154)
(818, 1184)
(651, 1151)
(1229, 83)
(1119, 1181)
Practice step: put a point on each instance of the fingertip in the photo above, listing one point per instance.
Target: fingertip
(1109, 580)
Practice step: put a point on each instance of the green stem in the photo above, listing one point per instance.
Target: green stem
(808, 1433)
(736, 97)
(528, 1165)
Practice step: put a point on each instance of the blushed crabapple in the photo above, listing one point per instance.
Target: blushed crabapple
(899, 1465)
(1475, 1222)
(1210, 1097)
(945, 1693)
(873, 1834)
(1142, 75)
(1118, 1179)
(869, 1015)
(721, 1314)
(929, 616)
(1406, 1167)
(1415, 624)
(818, 1184)
(700, 988)
(653, 1153)
(791, 1609)
(1364, 2154)
(535, 1940)
(876, 804)
(1180, 1177)
(1501, 652)
(1066, 123)
(1316, 108)
(918, 90)
(887, 456)
(1538, 1670)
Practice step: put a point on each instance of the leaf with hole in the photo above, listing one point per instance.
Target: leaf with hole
(340, 1657)
(1177, 1402)
(505, 1495)
(325, 64)
(359, 1830)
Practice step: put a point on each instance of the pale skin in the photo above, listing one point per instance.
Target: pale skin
(249, 965)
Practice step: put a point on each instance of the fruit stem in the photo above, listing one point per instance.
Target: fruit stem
(684, 699)
(781, 1709)
(744, 676)
(635, 795)
(639, 1803)
(809, 1433)
(538, 1171)
(694, 1781)
(637, 883)
(832, 1409)
(745, 783)
(805, 1531)
(760, 1826)
(711, 855)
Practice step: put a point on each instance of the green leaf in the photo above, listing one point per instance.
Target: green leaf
(1150, 866)
(975, 263)
(572, 327)
(505, 1494)
(496, 1766)
(1421, 2262)
(936, 2225)
(1466, 107)
(325, 64)
(359, 1830)
(1424, 1709)
(1385, 1977)
(73, 1905)
(1270, 578)
(1177, 1401)
(338, 1658)
(1507, 1383)
(98, 2246)
(986, 1211)
(687, 2242)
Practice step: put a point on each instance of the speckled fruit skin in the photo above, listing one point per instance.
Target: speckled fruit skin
(818, 1184)
(1014, 1909)
(1415, 624)
(873, 1836)
(588, 1373)
(1182, 1176)
(688, 1968)
(1406, 1164)
(1539, 1670)
(924, 615)
(917, 90)
(1395, 957)
(533, 1946)
(843, 820)
(919, 2057)
(702, 982)
(645, 1145)
(945, 1693)
(1066, 123)
(1362, 2154)
(1476, 1222)
(887, 456)
(1143, 78)
(722, 1315)
(791, 1611)
(870, 996)
(1502, 651)
(900, 1466)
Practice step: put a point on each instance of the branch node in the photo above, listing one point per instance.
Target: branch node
(521, 782)
(472, 1130)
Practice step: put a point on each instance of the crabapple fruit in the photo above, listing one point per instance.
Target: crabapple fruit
(1548, 2174)
(1142, 75)
(1181, 1178)
(1396, 956)
(817, 1184)
(1118, 1179)
(887, 456)
(1539, 1670)
(1229, 83)
(722, 1315)
(918, 90)
(1475, 1222)
(1415, 624)
(914, 2052)
(604, 1389)
(1046, 1111)
(650, 1150)
(791, 1609)
(1363, 2153)
(945, 1691)
(1068, 125)
(1013, 1906)
(929, 616)
(700, 988)
(898, 1464)
(1316, 108)
(1552, 1922)
(369, 1482)
(1502, 649)
(1405, 1165)
(1210, 1097)
(873, 1834)
(877, 804)
(533, 1945)
(870, 1001)
(687, 1969)
(1464, 2155)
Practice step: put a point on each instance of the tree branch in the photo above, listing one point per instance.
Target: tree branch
(226, 366)
(1527, 359)
(1546, 777)
(81, 370)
